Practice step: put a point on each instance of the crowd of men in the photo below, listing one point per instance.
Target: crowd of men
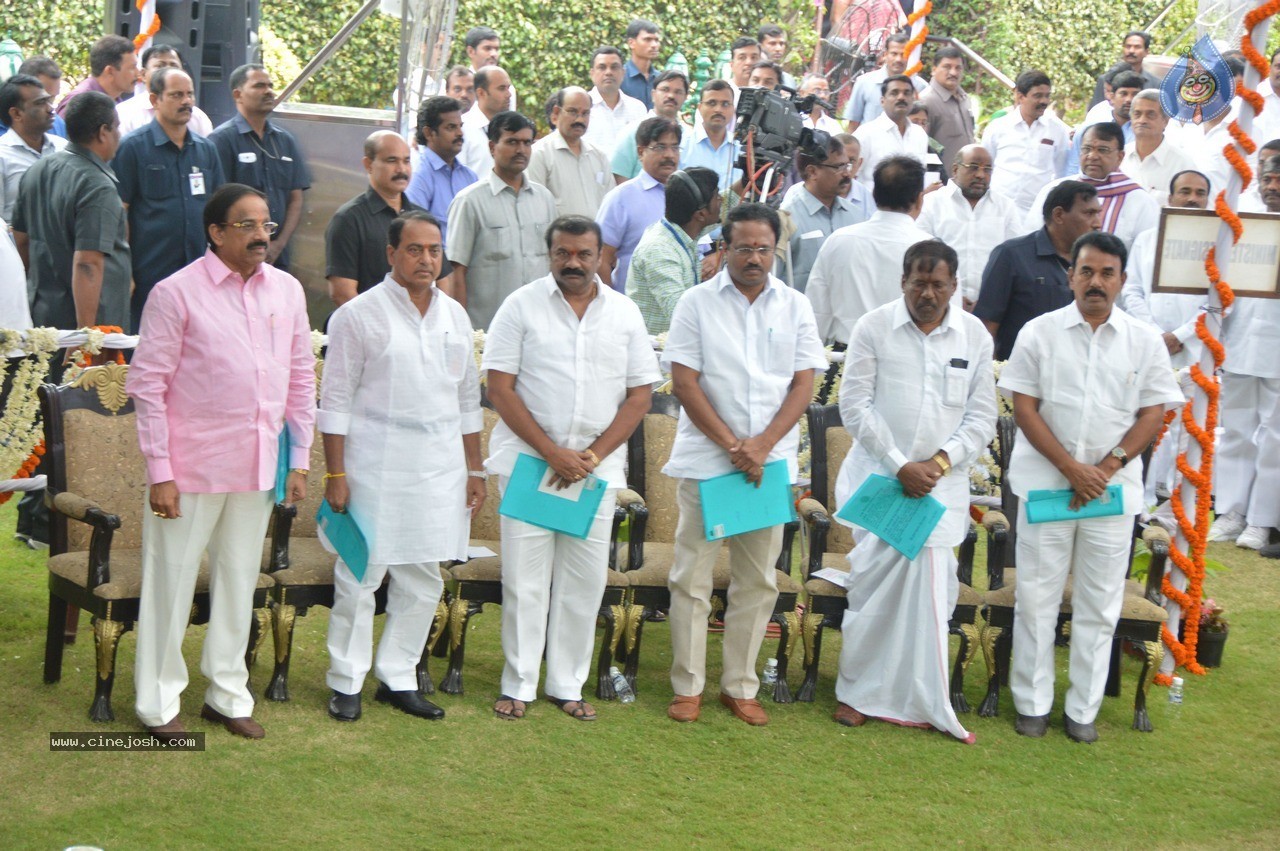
(921, 250)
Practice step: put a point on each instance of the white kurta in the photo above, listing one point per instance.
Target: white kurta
(403, 388)
(905, 395)
(1138, 212)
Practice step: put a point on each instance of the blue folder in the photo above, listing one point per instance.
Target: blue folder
(527, 498)
(731, 505)
(1046, 506)
(901, 521)
(282, 465)
(342, 533)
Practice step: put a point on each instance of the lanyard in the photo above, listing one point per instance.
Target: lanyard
(693, 260)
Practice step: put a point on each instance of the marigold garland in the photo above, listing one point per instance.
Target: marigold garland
(24, 472)
(143, 37)
(917, 40)
(1191, 563)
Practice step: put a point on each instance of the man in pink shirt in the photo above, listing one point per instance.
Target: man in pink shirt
(224, 363)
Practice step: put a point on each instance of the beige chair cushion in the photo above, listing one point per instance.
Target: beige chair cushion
(489, 569)
(839, 442)
(104, 464)
(659, 489)
(126, 574)
(311, 564)
(1136, 606)
(658, 559)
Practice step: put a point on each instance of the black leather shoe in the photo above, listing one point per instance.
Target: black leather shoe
(344, 707)
(1033, 726)
(410, 702)
(1084, 733)
(1270, 551)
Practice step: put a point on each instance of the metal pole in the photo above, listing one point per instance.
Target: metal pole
(340, 38)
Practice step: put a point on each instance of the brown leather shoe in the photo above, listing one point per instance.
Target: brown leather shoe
(848, 716)
(168, 731)
(747, 709)
(685, 708)
(246, 727)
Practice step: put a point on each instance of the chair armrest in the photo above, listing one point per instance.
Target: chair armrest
(1157, 541)
(997, 526)
(638, 514)
(964, 564)
(104, 528)
(789, 530)
(628, 498)
(281, 526)
(817, 520)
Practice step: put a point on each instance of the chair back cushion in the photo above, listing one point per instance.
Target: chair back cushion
(485, 525)
(659, 489)
(104, 463)
(839, 442)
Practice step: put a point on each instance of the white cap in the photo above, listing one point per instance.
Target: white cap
(613, 670)
(773, 662)
(1177, 681)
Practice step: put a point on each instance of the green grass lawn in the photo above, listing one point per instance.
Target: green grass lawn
(1210, 777)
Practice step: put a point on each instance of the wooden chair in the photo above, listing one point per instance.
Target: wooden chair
(829, 546)
(98, 478)
(650, 504)
(303, 572)
(1141, 614)
(479, 581)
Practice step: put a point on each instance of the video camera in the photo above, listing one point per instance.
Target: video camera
(770, 127)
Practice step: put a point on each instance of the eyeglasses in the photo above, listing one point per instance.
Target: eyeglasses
(836, 166)
(980, 169)
(662, 149)
(249, 225)
(759, 250)
(1090, 149)
(418, 250)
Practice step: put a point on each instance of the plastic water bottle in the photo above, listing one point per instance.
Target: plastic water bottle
(769, 676)
(621, 687)
(1175, 697)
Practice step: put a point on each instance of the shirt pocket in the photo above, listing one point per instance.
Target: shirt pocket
(780, 352)
(156, 183)
(456, 353)
(497, 242)
(955, 385)
(611, 361)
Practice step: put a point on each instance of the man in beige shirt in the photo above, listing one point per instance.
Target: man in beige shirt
(577, 172)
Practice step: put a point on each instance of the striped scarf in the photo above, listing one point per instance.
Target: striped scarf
(1111, 194)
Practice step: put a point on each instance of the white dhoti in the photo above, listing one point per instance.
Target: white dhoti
(412, 594)
(552, 586)
(231, 527)
(1095, 552)
(1248, 458)
(893, 659)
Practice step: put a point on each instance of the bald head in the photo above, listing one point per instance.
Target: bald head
(972, 172)
(493, 90)
(571, 114)
(387, 161)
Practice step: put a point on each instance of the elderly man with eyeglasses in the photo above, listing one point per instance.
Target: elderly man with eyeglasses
(223, 365)
(577, 172)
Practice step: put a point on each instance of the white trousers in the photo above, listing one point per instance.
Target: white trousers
(231, 527)
(894, 652)
(412, 594)
(1247, 473)
(1095, 552)
(552, 586)
(753, 591)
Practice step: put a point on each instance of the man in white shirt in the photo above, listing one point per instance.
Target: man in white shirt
(28, 110)
(918, 397)
(1090, 386)
(742, 352)
(1247, 478)
(1151, 160)
(857, 269)
(137, 111)
(892, 132)
(612, 110)
(576, 171)
(1029, 148)
(493, 95)
(864, 101)
(570, 370)
(1125, 87)
(1127, 208)
(965, 215)
(399, 376)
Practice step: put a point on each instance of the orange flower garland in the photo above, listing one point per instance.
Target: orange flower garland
(1196, 534)
(143, 37)
(917, 40)
(24, 472)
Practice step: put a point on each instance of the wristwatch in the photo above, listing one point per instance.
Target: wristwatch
(1120, 455)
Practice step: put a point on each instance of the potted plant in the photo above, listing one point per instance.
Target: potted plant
(1213, 634)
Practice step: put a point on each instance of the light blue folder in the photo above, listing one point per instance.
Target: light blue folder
(1046, 506)
(902, 522)
(530, 499)
(282, 465)
(731, 505)
(342, 533)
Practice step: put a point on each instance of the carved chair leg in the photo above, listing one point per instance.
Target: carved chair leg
(969, 640)
(106, 640)
(72, 624)
(811, 629)
(439, 622)
(608, 643)
(1152, 657)
(1004, 653)
(635, 629)
(990, 635)
(1112, 688)
(53, 639)
(460, 614)
(258, 631)
(283, 616)
(789, 622)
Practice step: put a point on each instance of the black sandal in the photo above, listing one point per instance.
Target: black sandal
(515, 713)
(577, 709)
